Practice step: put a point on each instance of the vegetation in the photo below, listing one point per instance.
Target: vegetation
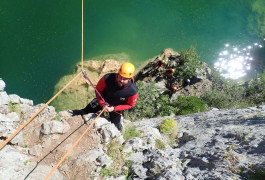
(119, 166)
(258, 7)
(168, 125)
(160, 144)
(13, 107)
(130, 132)
(148, 94)
(188, 105)
(256, 175)
(25, 145)
(152, 104)
(189, 64)
(230, 94)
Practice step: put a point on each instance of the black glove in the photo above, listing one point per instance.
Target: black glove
(76, 112)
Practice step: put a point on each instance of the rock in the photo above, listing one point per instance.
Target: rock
(35, 150)
(64, 115)
(4, 109)
(109, 66)
(4, 98)
(2, 85)
(52, 127)
(158, 164)
(15, 165)
(10, 117)
(108, 131)
(26, 101)
(135, 144)
(14, 98)
(8, 122)
(90, 163)
(18, 139)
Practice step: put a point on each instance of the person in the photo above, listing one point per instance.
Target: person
(116, 92)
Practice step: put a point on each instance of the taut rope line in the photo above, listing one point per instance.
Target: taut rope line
(82, 38)
(32, 117)
(71, 148)
(45, 105)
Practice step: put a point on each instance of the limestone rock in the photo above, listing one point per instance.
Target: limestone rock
(14, 98)
(26, 101)
(15, 165)
(2, 85)
(35, 150)
(108, 131)
(52, 127)
(4, 98)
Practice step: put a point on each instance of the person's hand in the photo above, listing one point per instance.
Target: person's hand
(109, 108)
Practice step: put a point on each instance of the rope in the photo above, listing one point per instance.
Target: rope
(82, 38)
(32, 117)
(90, 82)
(71, 148)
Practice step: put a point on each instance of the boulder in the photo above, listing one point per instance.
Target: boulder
(14, 98)
(54, 127)
(15, 165)
(4, 98)
(2, 85)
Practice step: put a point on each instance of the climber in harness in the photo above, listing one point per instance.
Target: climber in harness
(115, 92)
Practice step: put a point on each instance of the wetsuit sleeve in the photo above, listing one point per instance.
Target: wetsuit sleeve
(131, 101)
(100, 87)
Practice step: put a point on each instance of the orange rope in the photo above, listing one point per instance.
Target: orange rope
(32, 117)
(70, 149)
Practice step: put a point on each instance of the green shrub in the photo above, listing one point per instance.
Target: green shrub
(189, 105)
(160, 144)
(188, 64)
(257, 175)
(168, 125)
(148, 94)
(14, 107)
(104, 172)
(164, 106)
(226, 94)
(258, 7)
(216, 98)
(130, 132)
(254, 92)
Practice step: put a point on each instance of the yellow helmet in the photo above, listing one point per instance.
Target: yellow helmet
(127, 70)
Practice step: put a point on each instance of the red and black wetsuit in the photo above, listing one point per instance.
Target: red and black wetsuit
(120, 97)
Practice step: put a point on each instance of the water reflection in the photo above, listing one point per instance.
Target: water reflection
(235, 62)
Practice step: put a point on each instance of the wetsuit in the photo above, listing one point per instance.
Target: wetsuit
(120, 97)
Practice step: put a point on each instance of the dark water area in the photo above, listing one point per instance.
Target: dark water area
(40, 41)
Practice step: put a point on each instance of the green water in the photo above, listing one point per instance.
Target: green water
(40, 40)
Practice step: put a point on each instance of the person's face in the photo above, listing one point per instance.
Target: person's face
(122, 80)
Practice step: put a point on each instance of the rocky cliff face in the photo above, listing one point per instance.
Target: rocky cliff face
(218, 144)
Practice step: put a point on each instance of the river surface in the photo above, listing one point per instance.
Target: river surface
(40, 40)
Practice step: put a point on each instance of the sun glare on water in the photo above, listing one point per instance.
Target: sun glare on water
(235, 62)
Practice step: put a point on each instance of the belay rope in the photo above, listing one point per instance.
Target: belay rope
(3, 144)
(71, 148)
(90, 82)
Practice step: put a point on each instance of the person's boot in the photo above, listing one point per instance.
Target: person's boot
(119, 126)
